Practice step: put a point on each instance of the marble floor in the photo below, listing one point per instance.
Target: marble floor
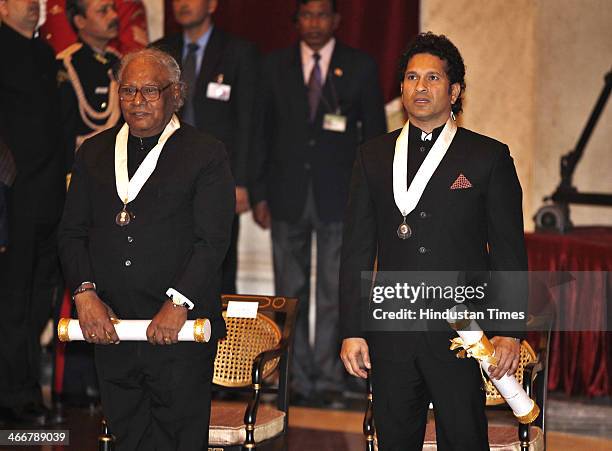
(340, 430)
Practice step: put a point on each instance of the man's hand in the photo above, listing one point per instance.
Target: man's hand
(165, 326)
(261, 214)
(242, 200)
(95, 319)
(356, 356)
(507, 350)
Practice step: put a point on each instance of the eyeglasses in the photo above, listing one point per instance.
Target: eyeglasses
(150, 93)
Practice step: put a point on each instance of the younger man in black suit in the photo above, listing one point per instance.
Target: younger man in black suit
(467, 218)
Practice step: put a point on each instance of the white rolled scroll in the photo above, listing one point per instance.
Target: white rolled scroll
(478, 346)
(136, 330)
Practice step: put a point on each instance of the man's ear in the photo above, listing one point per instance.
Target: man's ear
(455, 92)
(212, 6)
(79, 22)
(177, 92)
(336, 19)
(3, 9)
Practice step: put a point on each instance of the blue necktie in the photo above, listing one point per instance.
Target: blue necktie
(190, 77)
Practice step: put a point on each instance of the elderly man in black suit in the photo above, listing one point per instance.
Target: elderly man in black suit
(319, 100)
(220, 71)
(468, 217)
(145, 229)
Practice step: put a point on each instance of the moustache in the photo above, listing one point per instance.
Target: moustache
(113, 25)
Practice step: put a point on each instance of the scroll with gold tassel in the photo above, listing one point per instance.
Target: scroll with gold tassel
(136, 330)
(476, 344)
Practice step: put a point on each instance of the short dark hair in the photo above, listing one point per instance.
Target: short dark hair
(303, 2)
(75, 8)
(443, 48)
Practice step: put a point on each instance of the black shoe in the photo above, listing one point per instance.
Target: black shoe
(80, 400)
(6, 416)
(33, 414)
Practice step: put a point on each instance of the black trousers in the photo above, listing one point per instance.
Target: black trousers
(403, 390)
(29, 279)
(156, 397)
(314, 369)
(229, 268)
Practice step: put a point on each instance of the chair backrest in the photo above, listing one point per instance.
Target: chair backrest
(248, 337)
(527, 356)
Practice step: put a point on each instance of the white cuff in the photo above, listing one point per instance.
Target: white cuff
(179, 299)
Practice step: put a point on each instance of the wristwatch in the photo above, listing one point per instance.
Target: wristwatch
(85, 286)
(178, 303)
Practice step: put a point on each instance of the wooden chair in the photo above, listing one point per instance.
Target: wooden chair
(253, 350)
(529, 437)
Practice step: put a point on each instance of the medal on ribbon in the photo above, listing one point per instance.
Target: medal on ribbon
(404, 231)
(123, 217)
(128, 189)
(407, 197)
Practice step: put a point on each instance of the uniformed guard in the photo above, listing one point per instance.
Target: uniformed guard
(89, 104)
(88, 89)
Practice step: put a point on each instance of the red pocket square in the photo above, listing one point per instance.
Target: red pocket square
(461, 183)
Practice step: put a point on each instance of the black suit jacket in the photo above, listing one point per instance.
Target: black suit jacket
(29, 126)
(291, 152)
(231, 122)
(474, 229)
(178, 237)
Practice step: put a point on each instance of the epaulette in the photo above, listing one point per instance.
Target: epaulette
(69, 51)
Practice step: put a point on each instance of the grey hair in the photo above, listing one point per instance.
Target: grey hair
(163, 59)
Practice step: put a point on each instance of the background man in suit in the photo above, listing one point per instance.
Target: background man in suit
(468, 218)
(89, 104)
(319, 100)
(29, 267)
(220, 71)
(150, 248)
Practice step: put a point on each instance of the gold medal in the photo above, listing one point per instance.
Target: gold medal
(404, 231)
(123, 217)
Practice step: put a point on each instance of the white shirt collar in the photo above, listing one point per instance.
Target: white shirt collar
(426, 136)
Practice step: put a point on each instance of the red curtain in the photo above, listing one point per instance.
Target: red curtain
(580, 362)
(381, 29)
